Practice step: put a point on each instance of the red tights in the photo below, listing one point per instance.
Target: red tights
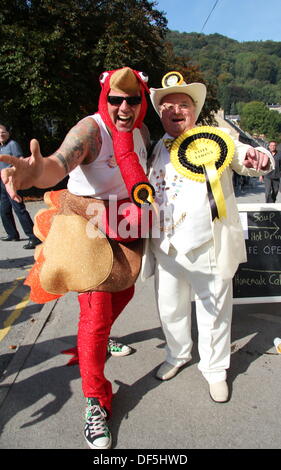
(98, 311)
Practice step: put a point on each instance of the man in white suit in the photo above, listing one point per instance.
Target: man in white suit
(194, 251)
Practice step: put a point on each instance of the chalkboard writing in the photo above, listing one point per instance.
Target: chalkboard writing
(260, 277)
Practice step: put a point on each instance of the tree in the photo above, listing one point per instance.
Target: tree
(255, 117)
(249, 66)
(245, 65)
(231, 94)
(273, 125)
(52, 54)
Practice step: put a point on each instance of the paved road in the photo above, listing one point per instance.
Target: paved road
(41, 403)
(17, 313)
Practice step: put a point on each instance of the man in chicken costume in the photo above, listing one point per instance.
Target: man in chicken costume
(91, 231)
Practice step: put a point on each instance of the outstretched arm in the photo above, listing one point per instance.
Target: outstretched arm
(256, 159)
(81, 145)
(249, 161)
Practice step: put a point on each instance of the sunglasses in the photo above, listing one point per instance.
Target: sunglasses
(118, 100)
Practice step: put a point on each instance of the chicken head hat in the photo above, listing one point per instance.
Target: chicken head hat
(173, 82)
(125, 80)
(132, 83)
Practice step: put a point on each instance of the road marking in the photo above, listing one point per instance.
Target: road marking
(13, 316)
(4, 296)
(17, 310)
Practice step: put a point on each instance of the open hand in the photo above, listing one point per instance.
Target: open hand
(23, 172)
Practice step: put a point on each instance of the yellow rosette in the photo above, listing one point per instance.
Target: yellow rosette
(143, 193)
(202, 154)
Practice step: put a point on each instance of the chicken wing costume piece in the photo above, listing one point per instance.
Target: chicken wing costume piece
(86, 254)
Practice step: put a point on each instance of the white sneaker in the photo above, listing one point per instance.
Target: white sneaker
(219, 391)
(167, 371)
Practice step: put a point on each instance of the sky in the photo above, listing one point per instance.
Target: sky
(243, 20)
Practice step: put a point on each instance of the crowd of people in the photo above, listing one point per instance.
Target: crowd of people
(181, 218)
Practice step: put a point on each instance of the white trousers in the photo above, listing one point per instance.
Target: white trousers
(175, 277)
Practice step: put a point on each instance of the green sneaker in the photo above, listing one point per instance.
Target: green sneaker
(96, 431)
(118, 349)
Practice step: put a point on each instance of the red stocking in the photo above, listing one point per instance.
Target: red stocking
(120, 300)
(98, 311)
(93, 331)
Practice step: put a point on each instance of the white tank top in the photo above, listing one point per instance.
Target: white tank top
(102, 178)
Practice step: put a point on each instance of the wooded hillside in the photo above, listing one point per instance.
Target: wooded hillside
(241, 71)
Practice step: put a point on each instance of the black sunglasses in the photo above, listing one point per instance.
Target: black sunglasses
(118, 100)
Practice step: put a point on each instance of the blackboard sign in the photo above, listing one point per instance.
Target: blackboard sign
(259, 279)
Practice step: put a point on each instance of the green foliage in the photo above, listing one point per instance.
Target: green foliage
(242, 72)
(256, 118)
(52, 54)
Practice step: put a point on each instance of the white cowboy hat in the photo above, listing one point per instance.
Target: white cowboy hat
(173, 82)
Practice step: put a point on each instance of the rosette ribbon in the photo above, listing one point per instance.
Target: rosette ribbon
(202, 154)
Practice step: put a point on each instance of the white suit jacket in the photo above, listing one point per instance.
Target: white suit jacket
(230, 249)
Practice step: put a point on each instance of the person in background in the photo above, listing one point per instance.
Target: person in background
(198, 250)
(9, 146)
(272, 179)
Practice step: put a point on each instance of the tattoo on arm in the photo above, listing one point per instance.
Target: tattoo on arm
(72, 151)
(81, 146)
(63, 160)
(94, 143)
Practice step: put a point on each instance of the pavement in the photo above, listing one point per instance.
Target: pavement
(42, 405)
